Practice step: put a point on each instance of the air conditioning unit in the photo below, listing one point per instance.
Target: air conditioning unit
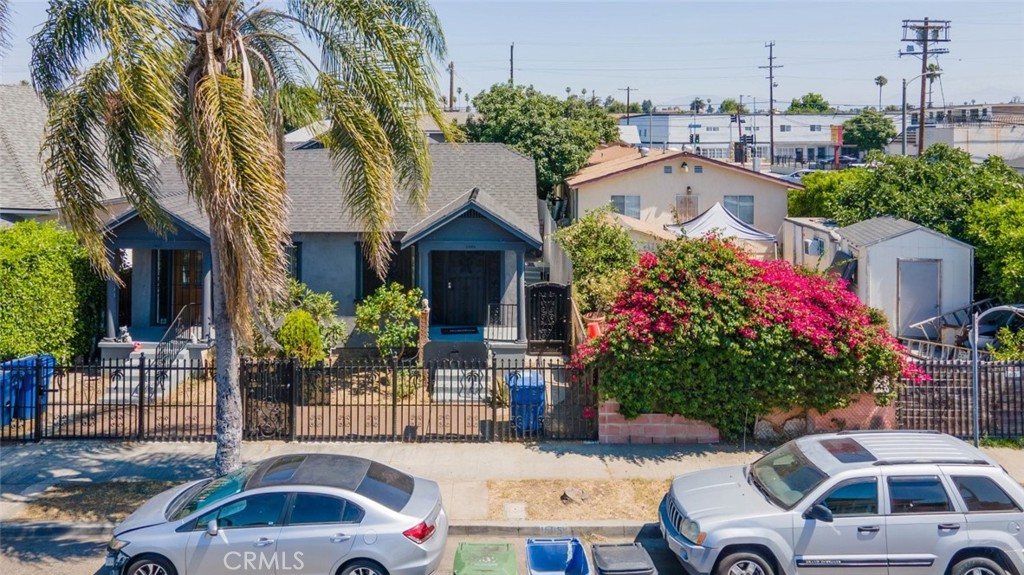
(814, 247)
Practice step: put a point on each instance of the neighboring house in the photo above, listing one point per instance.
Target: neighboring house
(305, 137)
(467, 250)
(669, 187)
(909, 272)
(24, 194)
(979, 139)
(800, 139)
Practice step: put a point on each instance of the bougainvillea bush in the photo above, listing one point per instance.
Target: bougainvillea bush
(706, 332)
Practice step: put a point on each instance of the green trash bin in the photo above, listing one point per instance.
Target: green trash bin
(486, 559)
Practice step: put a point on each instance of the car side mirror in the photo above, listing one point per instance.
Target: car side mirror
(819, 512)
(212, 528)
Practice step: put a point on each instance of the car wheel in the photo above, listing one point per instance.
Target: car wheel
(744, 563)
(152, 565)
(977, 566)
(364, 567)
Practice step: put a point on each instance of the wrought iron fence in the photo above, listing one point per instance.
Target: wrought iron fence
(502, 322)
(368, 400)
(945, 402)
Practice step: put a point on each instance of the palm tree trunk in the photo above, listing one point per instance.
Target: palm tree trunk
(229, 398)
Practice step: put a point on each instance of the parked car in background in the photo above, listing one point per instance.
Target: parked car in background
(902, 503)
(797, 176)
(320, 513)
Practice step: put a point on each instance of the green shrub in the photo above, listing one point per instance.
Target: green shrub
(321, 306)
(390, 315)
(601, 253)
(1011, 345)
(300, 338)
(51, 299)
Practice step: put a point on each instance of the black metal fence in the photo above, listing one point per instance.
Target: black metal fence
(946, 402)
(139, 399)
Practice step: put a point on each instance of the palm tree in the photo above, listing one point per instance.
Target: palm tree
(697, 105)
(128, 81)
(5, 40)
(934, 72)
(880, 81)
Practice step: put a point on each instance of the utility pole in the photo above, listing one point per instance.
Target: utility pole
(771, 98)
(451, 86)
(628, 90)
(511, 62)
(923, 33)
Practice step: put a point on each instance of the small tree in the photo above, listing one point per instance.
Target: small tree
(869, 130)
(600, 252)
(300, 338)
(389, 315)
(809, 103)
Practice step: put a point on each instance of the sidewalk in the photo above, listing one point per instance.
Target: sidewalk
(461, 469)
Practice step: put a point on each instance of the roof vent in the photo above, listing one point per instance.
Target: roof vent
(644, 152)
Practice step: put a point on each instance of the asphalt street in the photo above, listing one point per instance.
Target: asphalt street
(84, 555)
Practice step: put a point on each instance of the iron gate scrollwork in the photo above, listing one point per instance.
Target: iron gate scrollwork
(547, 317)
(267, 395)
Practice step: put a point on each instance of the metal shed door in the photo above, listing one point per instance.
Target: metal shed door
(917, 294)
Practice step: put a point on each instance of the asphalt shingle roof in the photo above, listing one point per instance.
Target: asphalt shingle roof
(482, 202)
(22, 120)
(317, 198)
(867, 232)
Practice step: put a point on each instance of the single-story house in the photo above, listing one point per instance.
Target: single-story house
(467, 250)
(909, 272)
(670, 187)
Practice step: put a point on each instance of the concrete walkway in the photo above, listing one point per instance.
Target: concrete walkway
(462, 469)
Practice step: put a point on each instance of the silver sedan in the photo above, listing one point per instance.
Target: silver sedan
(316, 514)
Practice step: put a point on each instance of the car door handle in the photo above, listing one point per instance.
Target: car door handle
(263, 542)
(949, 526)
(869, 529)
(340, 537)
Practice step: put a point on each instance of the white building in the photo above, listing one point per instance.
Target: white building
(909, 272)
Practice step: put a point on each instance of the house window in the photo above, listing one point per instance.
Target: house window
(815, 127)
(627, 205)
(668, 169)
(785, 128)
(401, 270)
(698, 169)
(742, 207)
(687, 207)
(294, 254)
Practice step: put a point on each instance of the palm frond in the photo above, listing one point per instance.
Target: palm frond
(5, 26)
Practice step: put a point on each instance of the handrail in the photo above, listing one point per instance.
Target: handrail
(175, 338)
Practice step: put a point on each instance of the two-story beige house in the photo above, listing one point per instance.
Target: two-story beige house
(669, 187)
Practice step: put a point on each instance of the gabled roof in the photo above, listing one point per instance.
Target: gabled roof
(717, 219)
(316, 193)
(640, 227)
(879, 229)
(486, 206)
(622, 163)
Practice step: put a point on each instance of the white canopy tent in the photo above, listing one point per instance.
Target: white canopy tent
(717, 219)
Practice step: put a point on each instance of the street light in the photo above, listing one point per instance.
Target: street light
(903, 148)
(1017, 309)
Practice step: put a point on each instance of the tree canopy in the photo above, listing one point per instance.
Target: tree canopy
(558, 134)
(809, 103)
(869, 130)
(944, 190)
(730, 106)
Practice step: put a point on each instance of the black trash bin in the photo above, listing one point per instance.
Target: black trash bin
(622, 559)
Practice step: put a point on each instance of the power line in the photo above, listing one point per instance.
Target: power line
(923, 33)
(771, 98)
(628, 90)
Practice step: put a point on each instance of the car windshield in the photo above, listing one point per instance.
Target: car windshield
(785, 475)
(205, 494)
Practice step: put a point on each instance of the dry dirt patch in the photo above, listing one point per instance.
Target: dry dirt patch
(91, 502)
(625, 499)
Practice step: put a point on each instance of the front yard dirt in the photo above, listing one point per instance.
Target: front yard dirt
(91, 502)
(625, 499)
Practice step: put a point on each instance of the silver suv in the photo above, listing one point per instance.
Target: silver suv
(897, 503)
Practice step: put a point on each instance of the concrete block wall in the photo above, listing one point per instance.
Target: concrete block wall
(651, 428)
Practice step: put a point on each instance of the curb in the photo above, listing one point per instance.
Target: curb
(468, 528)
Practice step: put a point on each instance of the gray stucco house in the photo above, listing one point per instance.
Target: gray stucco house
(467, 250)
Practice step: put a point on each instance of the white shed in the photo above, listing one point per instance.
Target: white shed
(908, 271)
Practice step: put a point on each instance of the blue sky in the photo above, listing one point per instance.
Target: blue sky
(673, 51)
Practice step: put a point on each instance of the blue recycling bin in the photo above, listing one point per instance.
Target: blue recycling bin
(556, 556)
(526, 399)
(25, 369)
(10, 381)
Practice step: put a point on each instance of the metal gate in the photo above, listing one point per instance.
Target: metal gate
(547, 318)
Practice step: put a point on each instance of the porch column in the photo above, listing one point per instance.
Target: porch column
(521, 295)
(112, 307)
(207, 294)
(423, 271)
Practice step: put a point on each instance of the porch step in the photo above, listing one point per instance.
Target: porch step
(463, 385)
(124, 382)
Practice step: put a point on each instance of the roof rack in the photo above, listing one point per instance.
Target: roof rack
(932, 461)
(883, 431)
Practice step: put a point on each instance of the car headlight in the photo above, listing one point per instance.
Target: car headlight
(116, 544)
(691, 530)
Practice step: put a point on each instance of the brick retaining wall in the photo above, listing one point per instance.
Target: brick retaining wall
(651, 428)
